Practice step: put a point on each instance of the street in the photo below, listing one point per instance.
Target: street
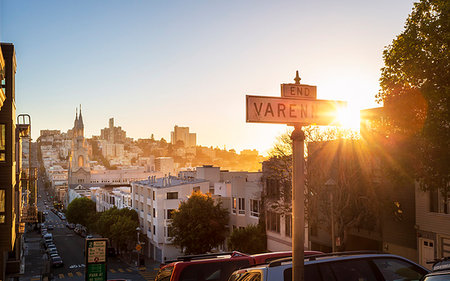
(70, 247)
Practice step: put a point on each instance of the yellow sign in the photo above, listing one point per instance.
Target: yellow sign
(138, 247)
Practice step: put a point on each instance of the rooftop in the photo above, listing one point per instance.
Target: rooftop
(168, 181)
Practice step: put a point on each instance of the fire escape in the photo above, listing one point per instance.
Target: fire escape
(27, 175)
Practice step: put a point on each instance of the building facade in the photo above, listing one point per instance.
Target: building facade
(182, 134)
(154, 199)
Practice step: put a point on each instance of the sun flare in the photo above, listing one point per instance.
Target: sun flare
(349, 118)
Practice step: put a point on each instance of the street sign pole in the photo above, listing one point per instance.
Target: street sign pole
(297, 106)
(298, 203)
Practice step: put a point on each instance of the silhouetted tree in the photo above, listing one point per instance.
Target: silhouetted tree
(415, 91)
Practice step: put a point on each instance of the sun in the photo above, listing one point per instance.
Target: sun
(349, 118)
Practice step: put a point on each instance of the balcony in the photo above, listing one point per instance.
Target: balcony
(29, 214)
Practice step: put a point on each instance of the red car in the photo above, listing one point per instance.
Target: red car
(216, 267)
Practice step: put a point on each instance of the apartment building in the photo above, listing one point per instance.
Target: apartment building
(154, 199)
(239, 191)
(121, 176)
(165, 165)
(108, 197)
(15, 207)
(432, 224)
(182, 134)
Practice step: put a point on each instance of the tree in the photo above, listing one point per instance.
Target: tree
(331, 153)
(415, 90)
(80, 210)
(251, 239)
(119, 225)
(199, 224)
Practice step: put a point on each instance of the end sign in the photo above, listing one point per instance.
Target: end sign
(299, 91)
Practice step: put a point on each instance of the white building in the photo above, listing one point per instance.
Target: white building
(77, 192)
(240, 193)
(165, 165)
(121, 176)
(154, 200)
(107, 197)
(432, 225)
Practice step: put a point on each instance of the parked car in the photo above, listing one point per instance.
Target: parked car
(57, 262)
(440, 270)
(348, 266)
(50, 227)
(52, 252)
(217, 267)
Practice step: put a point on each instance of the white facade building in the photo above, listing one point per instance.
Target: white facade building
(109, 197)
(121, 176)
(154, 200)
(165, 165)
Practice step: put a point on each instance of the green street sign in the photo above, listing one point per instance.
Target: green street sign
(96, 272)
(96, 259)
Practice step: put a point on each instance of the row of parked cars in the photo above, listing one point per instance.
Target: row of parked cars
(318, 266)
(52, 252)
(59, 214)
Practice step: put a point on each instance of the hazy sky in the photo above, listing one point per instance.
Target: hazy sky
(155, 64)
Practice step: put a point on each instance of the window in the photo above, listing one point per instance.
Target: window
(288, 225)
(2, 142)
(154, 195)
(434, 201)
(196, 189)
(254, 207)
(154, 213)
(172, 195)
(170, 214)
(154, 229)
(273, 221)
(169, 232)
(2, 206)
(393, 269)
(354, 270)
(234, 207)
(242, 206)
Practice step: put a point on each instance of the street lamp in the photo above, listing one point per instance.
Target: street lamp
(138, 229)
(330, 184)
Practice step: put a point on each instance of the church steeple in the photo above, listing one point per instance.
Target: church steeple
(76, 118)
(80, 119)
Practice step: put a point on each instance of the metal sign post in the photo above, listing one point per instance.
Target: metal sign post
(298, 203)
(297, 107)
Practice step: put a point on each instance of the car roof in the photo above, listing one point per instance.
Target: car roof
(333, 257)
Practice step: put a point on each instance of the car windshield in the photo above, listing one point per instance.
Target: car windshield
(164, 274)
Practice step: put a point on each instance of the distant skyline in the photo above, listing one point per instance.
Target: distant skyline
(152, 65)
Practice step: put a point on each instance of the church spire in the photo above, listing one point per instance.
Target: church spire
(80, 119)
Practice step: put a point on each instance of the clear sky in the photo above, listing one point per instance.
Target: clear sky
(155, 64)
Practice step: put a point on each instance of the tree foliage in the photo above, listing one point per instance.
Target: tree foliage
(81, 210)
(415, 90)
(119, 225)
(251, 239)
(332, 153)
(199, 224)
